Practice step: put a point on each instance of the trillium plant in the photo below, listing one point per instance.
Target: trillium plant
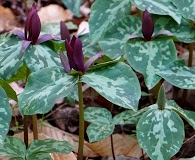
(118, 44)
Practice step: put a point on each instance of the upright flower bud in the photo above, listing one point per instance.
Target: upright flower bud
(32, 26)
(64, 31)
(147, 26)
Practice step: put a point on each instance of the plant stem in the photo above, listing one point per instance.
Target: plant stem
(190, 61)
(25, 122)
(25, 119)
(35, 129)
(81, 122)
(112, 147)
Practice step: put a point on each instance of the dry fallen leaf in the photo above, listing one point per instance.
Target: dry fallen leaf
(7, 19)
(54, 13)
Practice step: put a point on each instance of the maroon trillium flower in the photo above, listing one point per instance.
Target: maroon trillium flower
(32, 30)
(74, 52)
(148, 28)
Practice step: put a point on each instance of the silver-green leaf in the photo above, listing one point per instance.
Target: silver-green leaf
(117, 83)
(186, 8)
(13, 146)
(178, 74)
(40, 156)
(5, 115)
(189, 116)
(104, 14)
(40, 56)
(161, 7)
(116, 37)
(160, 133)
(94, 114)
(11, 57)
(43, 88)
(98, 131)
(49, 146)
(150, 57)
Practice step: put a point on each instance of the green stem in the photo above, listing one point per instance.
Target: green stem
(35, 129)
(25, 122)
(25, 119)
(190, 61)
(81, 122)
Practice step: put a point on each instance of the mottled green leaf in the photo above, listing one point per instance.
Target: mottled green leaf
(40, 56)
(189, 116)
(49, 146)
(117, 83)
(11, 58)
(20, 75)
(104, 14)
(150, 57)
(160, 133)
(160, 7)
(101, 123)
(54, 28)
(186, 8)
(94, 114)
(118, 34)
(13, 146)
(73, 5)
(184, 32)
(40, 156)
(8, 89)
(5, 115)
(98, 131)
(128, 117)
(89, 49)
(179, 75)
(43, 88)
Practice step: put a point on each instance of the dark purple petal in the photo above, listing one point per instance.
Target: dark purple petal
(64, 62)
(163, 32)
(25, 45)
(69, 51)
(64, 31)
(35, 27)
(134, 36)
(78, 56)
(147, 26)
(72, 42)
(18, 33)
(28, 23)
(45, 37)
(92, 59)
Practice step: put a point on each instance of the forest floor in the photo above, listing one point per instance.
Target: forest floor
(62, 121)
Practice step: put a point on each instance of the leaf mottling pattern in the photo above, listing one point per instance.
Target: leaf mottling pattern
(11, 58)
(160, 133)
(117, 83)
(101, 123)
(178, 74)
(40, 56)
(6, 115)
(150, 57)
(43, 88)
(186, 7)
(104, 14)
(160, 7)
